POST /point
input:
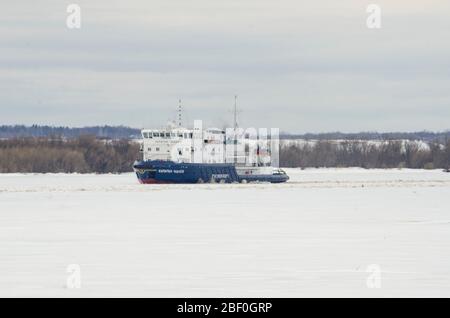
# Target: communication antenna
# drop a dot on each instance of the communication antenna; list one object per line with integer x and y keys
{"x": 235, "y": 112}
{"x": 179, "y": 113}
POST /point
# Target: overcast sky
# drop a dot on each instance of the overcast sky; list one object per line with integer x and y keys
{"x": 301, "y": 66}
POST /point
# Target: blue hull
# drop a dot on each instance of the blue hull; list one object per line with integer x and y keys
{"x": 155, "y": 171}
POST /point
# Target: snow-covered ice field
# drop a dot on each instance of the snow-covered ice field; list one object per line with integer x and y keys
{"x": 316, "y": 235}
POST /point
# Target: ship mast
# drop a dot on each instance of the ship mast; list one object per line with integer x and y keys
{"x": 235, "y": 113}
{"x": 235, "y": 129}
{"x": 179, "y": 113}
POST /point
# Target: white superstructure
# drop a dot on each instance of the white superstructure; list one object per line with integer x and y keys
{"x": 160, "y": 144}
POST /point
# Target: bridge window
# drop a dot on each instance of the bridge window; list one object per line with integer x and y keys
{"x": 155, "y": 134}
{"x": 157, "y": 148}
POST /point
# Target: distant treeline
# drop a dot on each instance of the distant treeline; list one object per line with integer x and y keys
{"x": 421, "y": 135}
{"x": 86, "y": 154}
{"x": 83, "y": 154}
{"x": 388, "y": 154}
{"x": 122, "y": 132}
{"x": 104, "y": 132}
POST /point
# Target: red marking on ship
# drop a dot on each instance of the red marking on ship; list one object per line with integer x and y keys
{"x": 153, "y": 181}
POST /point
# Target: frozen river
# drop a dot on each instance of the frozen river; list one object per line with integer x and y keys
{"x": 328, "y": 232}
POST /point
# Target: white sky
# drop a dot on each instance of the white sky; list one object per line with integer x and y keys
{"x": 297, "y": 65}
